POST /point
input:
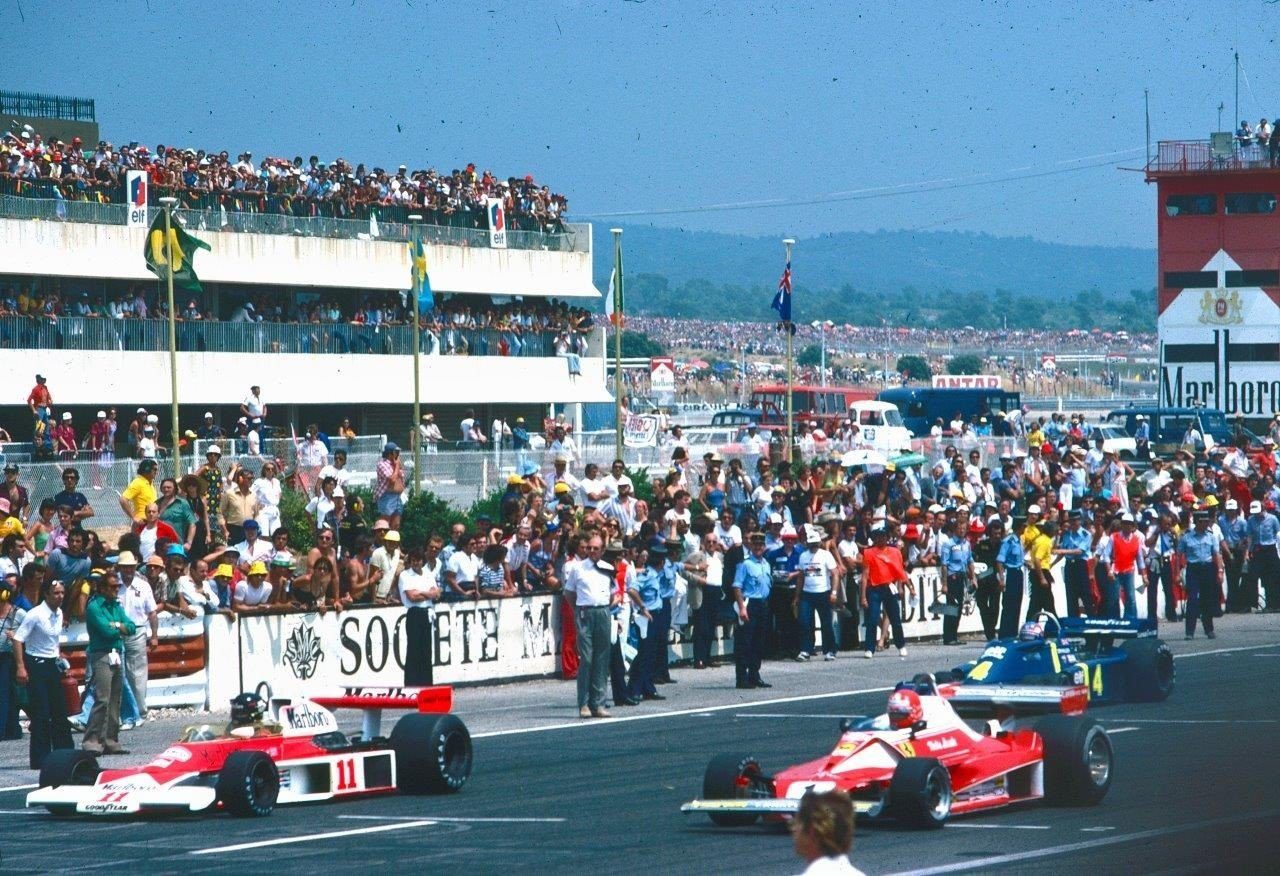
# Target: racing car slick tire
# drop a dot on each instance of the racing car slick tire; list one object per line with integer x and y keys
{"x": 722, "y": 781}
{"x": 920, "y": 793}
{"x": 248, "y": 784}
{"x": 69, "y": 766}
{"x": 433, "y": 753}
{"x": 1078, "y": 760}
{"x": 1148, "y": 670}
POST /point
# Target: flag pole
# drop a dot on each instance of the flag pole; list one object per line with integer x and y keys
{"x": 168, "y": 203}
{"x": 789, "y": 328}
{"x": 616, "y": 292}
{"x": 415, "y": 432}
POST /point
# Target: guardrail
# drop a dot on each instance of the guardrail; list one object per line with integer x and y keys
{"x": 37, "y": 200}
{"x": 152, "y": 335}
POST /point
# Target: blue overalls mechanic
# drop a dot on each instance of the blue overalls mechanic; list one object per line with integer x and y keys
{"x": 1075, "y": 546}
{"x": 1264, "y": 564}
{"x": 1010, "y": 569}
{"x": 667, "y": 590}
{"x": 1202, "y": 575}
{"x": 751, "y": 585}
{"x": 647, "y": 585}
{"x": 957, "y": 565}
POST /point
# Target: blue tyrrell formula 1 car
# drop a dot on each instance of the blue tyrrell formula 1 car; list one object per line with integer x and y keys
{"x": 1116, "y": 660}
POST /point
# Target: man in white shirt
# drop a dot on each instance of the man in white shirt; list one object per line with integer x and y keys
{"x": 560, "y": 475}
{"x": 463, "y": 567}
{"x": 337, "y": 470}
{"x": 419, "y": 589}
{"x": 590, "y": 590}
{"x": 816, "y": 570}
{"x": 35, "y": 656}
{"x": 617, "y": 474}
{"x": 255, "y": 408}
{"x": 726, "y": 532}
{"x": 388, "y": 561}
{"x": 562, "y": 444}
{"x": 429, "y": 434}
{"x": 254, "y": 548}
{"x": 139, "y": 603}
{"x": 592, "y": 489}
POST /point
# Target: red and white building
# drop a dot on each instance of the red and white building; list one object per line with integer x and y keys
{"x": 1219, "y": 276}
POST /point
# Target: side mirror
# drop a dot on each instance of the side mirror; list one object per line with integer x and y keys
{"x": 918, "y": 726}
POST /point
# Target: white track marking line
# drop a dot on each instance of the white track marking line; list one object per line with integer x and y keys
{"x": 677, "y": 713}
{"x": 464, "y": 820}
{"x": 1177, "y": 657}
{"x": 999, "y": 826}
{"x": 1195, "y": 721}
{"x": 21, "y": 811}
{"x": 19, "y": 787}
{"x": 1051, "y": 851}
{"x": 785, "y": 715}
{"x": 1095, "y": 829}
{"x": 1122, "y": 730}
{"x": 333, "y": 834}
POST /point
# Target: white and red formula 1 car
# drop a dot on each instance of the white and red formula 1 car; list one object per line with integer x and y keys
{"x": 935, "y": 766}
{"x": 297, "y": 754}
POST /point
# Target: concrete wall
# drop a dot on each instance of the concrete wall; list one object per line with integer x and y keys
{"x": 89, "y": 250}
{"x": 98, "y": 377}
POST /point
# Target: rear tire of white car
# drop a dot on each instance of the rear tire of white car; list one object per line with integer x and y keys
{"x": 248, "y": 785}
{"x": 920, "y": 793}
{"x": 1078, "y": 760}
{"x": 433, "y": 753}
{"x": 732, "y": 777}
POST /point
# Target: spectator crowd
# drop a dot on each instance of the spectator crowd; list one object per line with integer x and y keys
{"x": 769, "y": 551}
{"x": 33, "y": 166}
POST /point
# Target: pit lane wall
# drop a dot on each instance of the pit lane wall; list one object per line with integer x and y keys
{"x": 204, "y": 662}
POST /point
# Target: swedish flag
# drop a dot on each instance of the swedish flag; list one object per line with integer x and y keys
{"x": 421, "y": 281}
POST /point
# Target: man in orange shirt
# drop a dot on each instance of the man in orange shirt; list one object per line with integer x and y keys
{"x": 882, "y": 574}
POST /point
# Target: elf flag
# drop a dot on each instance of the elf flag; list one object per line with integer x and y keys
{"x": 421, "y": 282}
{"x": 177, "y": 253}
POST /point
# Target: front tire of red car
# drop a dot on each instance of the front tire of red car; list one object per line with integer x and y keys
{"x": 732, "y": 777}
{"x": 248, "y": 785}
{"x": 920, "y": 793}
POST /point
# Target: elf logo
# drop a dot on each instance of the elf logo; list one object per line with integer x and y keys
{"x": 138, "y": 191}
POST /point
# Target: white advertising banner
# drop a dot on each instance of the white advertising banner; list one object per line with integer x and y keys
{"x": 966, "y": 381}
{"x": 640, "y": 430}
{"x": 136, "y": 185}
{"x": 497, "y": 223}
{"x": 488, "y": 640}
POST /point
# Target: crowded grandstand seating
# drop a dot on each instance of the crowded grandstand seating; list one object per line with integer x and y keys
{"x": 32, "y": 315}
{"x": 211, "y": 180}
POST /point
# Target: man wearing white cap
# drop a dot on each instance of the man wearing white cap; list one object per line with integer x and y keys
{"x": 1234, "y": 531}
{"x": 64, "y": 438}
{"x": 1127, "y": 556}
{"x": 100, "y": 440}
{"x": 1260, "y": 546}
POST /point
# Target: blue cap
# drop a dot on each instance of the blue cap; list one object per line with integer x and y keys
{"x": 390, "y": 447}
{"x": 250, "y": 524}
{"x": 752, "y": 426}
{"x": 527, "y": 468}
{"x": 175, "y": 550}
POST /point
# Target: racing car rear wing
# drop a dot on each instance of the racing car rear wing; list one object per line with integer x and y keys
{"x": 998, "y": 700}
{"x": 371, "y": 701}
{"x": 1096, "y": 627}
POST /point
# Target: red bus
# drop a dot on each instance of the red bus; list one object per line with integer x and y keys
{"x": 826, "y": 405}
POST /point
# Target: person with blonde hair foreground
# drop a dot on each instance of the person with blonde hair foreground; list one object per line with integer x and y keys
{"x": 823, "y": 833}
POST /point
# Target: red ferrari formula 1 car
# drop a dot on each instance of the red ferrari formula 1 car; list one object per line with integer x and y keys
{"x": 295, "y": 755}
{"x": 922, "y": 762}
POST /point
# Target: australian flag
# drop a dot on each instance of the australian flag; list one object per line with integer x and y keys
{"x": 782, "y": 300}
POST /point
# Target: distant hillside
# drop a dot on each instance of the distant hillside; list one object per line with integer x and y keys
{"x": 939, "y": 278}
{"x": 930, "y": 261}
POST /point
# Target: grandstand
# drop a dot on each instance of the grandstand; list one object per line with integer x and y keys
{"x": 303, "y": 291}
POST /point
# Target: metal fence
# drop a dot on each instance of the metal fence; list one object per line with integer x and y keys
{"x": 41, "y": 199}
{"x": 152, "y": 335}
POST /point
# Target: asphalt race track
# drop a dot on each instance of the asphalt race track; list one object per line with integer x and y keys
{"x": 1194, "y": 791}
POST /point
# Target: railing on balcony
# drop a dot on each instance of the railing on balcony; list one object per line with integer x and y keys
{"x": 1204, "y": 156}
{"x": 36, "y": 199}
{"x": 152, "y": 335}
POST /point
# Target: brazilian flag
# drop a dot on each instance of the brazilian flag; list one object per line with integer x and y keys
{"x": 179, "y": 253}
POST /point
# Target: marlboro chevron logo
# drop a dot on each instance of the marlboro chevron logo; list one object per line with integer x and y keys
{"x": 1220, "y": 340}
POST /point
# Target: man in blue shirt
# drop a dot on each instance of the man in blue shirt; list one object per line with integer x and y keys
{"x": 662, "y": 619}
{"x": 1202, "y": 575}
{"x": 1264, "y": 563}
{"x": 648, "y": 586}
{"x": 785, "y": 631}
{"x": 751, "y": 585}
{"x": 1010, "y": 570}
{"x": 1075, "y": 546}
{"x": 957, "y": 566}
{"x": 1234, "y": 532}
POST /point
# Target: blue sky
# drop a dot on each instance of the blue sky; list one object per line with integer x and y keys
{"x": 643, "y": 107}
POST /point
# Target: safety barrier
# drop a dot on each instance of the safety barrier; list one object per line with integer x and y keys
{"x": 204, "y": 662}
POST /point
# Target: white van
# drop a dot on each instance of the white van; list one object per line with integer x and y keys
{"x": 880, "y": 426}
